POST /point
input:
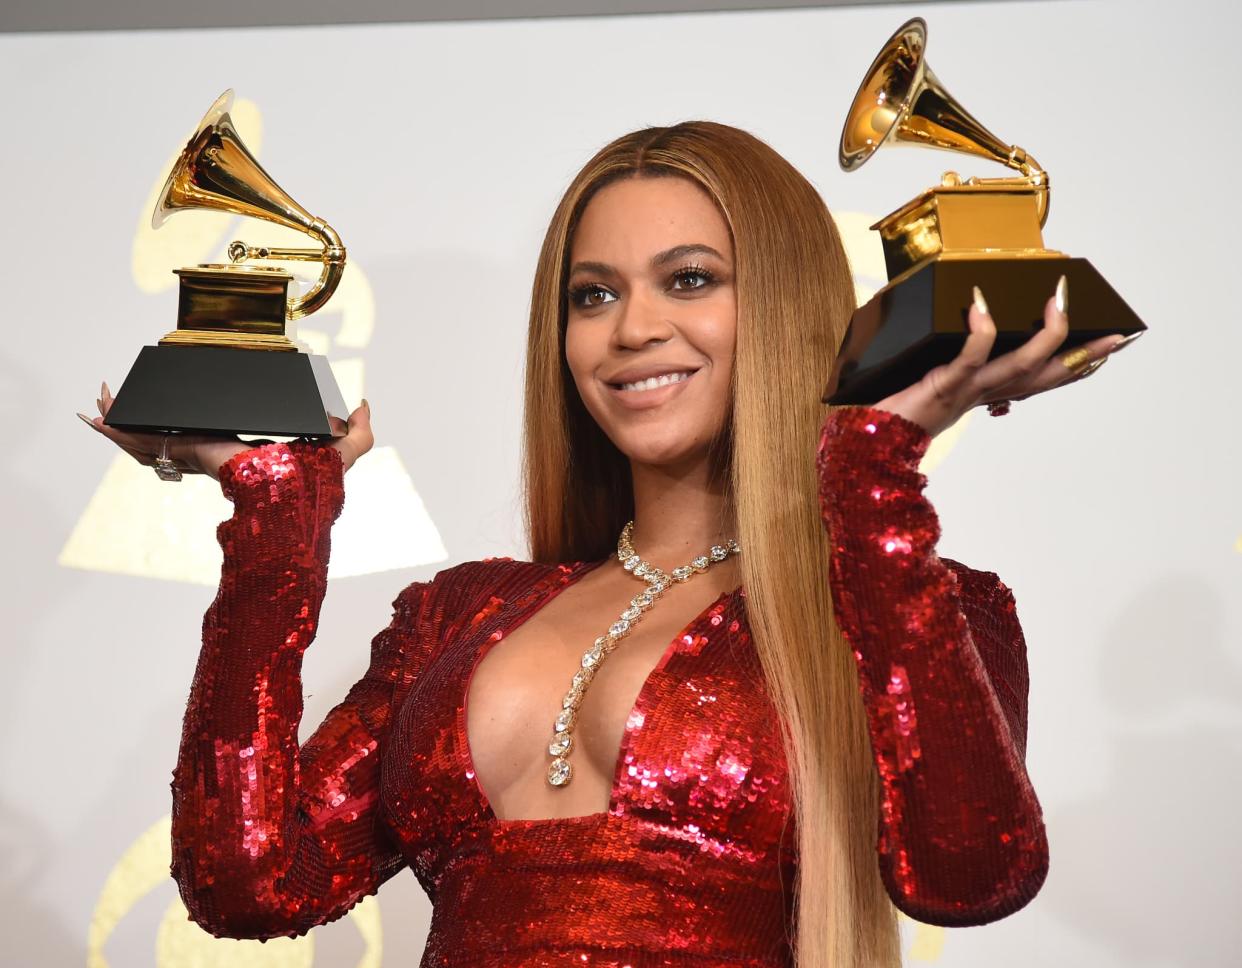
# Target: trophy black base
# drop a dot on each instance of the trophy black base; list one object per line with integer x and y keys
{"x": 920, "y": 321}
{"x": 215, "y": 390}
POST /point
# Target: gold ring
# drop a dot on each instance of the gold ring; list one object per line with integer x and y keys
{"x": 1077, "y": 360}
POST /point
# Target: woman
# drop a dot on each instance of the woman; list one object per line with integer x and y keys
{"x": 722, "y": 763}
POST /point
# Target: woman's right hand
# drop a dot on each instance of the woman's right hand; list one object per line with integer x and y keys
{"x": 204, "y": 453}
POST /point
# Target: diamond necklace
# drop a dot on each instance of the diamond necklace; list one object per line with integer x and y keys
{"x": 560, "y": 772}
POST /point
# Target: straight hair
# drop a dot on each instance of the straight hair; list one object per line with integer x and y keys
{"x": 795, "y": 296}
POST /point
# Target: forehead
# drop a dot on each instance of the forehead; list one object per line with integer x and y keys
{"x": 628, "y": 220}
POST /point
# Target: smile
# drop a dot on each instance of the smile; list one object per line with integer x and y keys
{"x": 652, "y": 383}
{"x": 651, "y": 392}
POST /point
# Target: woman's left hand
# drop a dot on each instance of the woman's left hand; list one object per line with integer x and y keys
{"x": 945, "y": 393}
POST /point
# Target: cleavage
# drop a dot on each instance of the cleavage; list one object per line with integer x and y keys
{"x": 516, "y": 689}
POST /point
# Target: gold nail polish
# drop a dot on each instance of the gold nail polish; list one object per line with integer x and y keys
{"x": 1062, "y": 294}
{"x": 87, "y": 420}
{"x": 981, "y": 304}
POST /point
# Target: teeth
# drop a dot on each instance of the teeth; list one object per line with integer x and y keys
{"x": 656, "y": 381}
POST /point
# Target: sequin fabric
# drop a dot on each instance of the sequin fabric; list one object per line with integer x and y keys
{"x": 942, "y": 667}
{"x": 694, "y": 860}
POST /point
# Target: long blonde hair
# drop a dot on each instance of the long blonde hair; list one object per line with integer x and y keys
{"x": 794, "y": 298}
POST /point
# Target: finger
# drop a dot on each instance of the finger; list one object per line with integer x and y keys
{"x": 1056, "y": 373}
{"x": 135, "y": 443}
{"x": 117, "y": 437}
{"x": 138, "y": 455}
{"x": 1087, "y": 371}
{"x": 97, "y": 424}
{"x": 1081, "y": 362}
{"x": 360, "y": 419}
{"x": 358, "y": 438}
{"x": 146, "y": 460}
{"x": 1019, "y": 367}
{"x": 950, "y": 379}
{"x": 360, "y": 427}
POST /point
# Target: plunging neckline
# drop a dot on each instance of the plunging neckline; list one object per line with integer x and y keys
{"x": 488, "y": 641}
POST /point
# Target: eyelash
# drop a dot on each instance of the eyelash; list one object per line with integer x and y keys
{"x": 576, "y": 294}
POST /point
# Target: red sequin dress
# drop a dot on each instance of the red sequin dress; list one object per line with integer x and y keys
{"x": 694, "y": 860}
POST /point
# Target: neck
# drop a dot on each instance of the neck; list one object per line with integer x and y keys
{"x": 679, "y": 512}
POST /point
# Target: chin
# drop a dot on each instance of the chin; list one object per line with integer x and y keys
{"x": 672, "y": 433}
{"x": 661, "y": 446}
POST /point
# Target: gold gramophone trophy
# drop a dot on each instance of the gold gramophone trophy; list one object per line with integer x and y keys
{"x": 230, "y": 366}
{"x": 959, "y": 234}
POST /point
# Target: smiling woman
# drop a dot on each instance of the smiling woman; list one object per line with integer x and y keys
{"x": 649, "y": 338}
{"x": 777, "y": 663}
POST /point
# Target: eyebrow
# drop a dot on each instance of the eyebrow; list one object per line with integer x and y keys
{"x": 659, "y": 260}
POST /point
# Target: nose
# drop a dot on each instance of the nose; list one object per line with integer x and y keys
{"x": 640, "y": 321}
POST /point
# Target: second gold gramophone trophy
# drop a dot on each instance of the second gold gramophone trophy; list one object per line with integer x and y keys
{"x": 229, "y": 366}
{"x": 959, "y": 234}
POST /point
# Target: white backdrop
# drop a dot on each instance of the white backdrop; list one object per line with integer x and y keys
{"x": 438, "y": 151}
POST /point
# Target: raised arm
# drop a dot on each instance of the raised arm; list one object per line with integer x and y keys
{"x": 270, "y": 839}
{"x": 942, "y": 668}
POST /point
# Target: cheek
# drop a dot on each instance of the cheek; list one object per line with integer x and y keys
{"x": 578, "y": 353}
{"x": 583, "y": 356}
{"x": 718, "y": 339}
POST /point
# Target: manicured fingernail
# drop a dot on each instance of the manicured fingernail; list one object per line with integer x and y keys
{"x": 981, "y": 304}
{"x": 1087, "y": 371}
{"x": 1125, "y": 341}
{"x": 1062, "y": 294}
{"x": 366, "y": 404}
{"x": 88, "y": 421}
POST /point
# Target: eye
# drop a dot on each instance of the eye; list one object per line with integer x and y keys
{"x": 584, "y": 297}
{"x": 692, "y": 273}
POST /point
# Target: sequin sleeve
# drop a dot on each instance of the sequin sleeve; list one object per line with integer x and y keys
{"x": 942, "y": 669}
{"x": 270, "y": 838}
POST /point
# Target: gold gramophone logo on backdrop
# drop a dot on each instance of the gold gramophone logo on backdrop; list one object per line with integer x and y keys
{"x": 134, "y": 524}
{"x": 958, "y": 234}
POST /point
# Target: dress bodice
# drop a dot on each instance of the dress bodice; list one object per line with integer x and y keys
{"x": 697, "y": 809}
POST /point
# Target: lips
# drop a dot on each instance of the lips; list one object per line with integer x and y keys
{"x": 655, "y": 382}
{"x": 650, "y": 392}
{"x": 637, "y": 374}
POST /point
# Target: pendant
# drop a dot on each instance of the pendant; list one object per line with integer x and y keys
{"x": 560, "y": 772}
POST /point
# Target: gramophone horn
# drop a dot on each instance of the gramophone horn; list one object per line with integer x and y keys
{"x": 216, "y": 171}
{"x": 900, "y": 100}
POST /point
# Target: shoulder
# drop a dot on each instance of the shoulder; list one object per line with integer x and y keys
{"x": 465, "y": 593}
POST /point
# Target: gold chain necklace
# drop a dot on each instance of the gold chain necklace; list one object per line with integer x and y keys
{"x": 560, "y": 772}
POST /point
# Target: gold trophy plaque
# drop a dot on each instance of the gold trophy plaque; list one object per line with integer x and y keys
{"x": 954, "y": 236}
{"x": 230, "y": 367}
